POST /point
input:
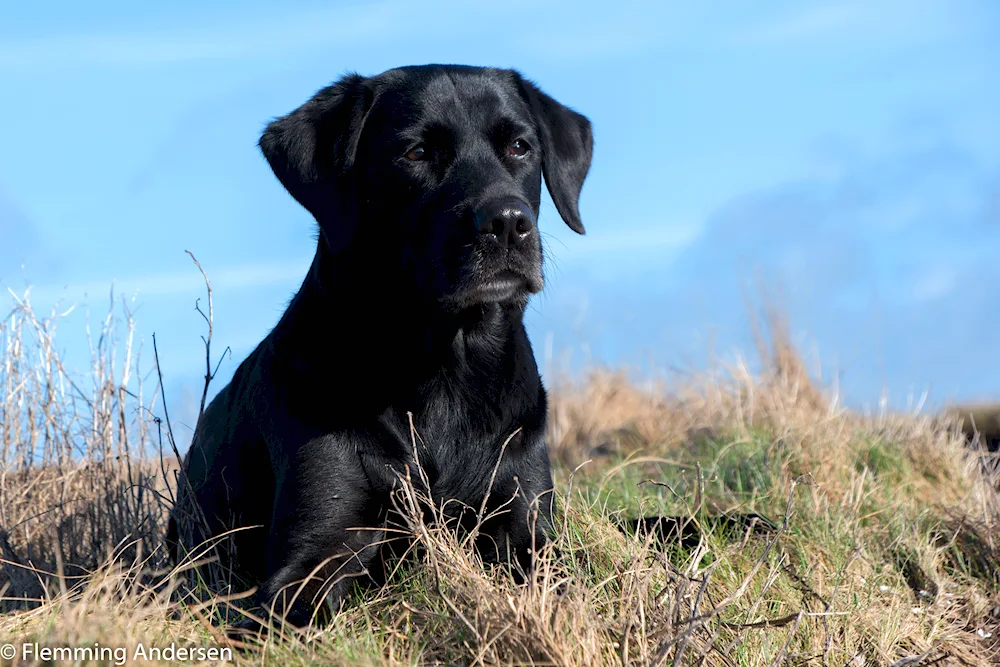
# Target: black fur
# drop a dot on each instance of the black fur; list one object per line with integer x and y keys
{"x": 413, "y": 304}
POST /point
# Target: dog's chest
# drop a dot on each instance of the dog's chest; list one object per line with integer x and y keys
{"x": 461, "y": 429}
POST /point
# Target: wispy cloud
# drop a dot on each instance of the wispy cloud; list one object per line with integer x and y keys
{"x": 801, "y": 24}
{"x": 267, "y": 35}
{"x": 602, "y": 31}
{"x": 936, "y": 282}
{"x": 233, "y": 278}
{"x": 857, "y": 23}
{"x": 625, "y": 245}
{"x": 238, "y": 37}
{"x": 17, "y": 231}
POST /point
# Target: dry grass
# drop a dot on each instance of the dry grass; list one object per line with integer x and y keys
{"x": 980, "y": 422}
{"x": 883, "y": 553}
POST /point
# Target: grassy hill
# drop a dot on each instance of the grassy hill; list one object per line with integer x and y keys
{"x": 876, "y": 542}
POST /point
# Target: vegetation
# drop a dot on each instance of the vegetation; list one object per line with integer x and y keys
{"x": 879, "y": 549}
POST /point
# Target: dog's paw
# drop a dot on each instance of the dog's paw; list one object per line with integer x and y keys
{"x": 247, "y": 630}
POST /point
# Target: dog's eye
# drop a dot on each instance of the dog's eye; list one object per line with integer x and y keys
{"x": 518, "y": 148}
{"x": 416, "y": 154}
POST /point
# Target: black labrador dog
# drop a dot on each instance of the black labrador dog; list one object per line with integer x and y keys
{"x": 426, "y": 184}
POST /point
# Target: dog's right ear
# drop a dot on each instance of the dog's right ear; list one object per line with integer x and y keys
{"x": 311, "y": 150}
{"x": 567, "y": 149}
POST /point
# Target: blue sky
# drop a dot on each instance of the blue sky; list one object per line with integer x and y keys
{"x": 845, "y": 153}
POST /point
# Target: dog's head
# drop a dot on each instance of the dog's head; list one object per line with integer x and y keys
{"x": 434, "y": 174}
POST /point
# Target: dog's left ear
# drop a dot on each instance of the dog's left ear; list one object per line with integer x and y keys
{"x": 567, "y": 147}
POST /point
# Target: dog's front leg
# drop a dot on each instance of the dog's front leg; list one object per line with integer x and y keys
{"x": 314, "y": 579}
{"x": 521, "y": 524}
{"x": 324, "y": 533}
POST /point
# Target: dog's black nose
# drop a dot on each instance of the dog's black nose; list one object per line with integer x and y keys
{"x": 509, "y": 222}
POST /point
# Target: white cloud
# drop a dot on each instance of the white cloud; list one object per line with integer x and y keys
{"x": 233, "y": 278}
{"x": 624, "y": 244}
{"x": 800, "y": 24}
{"x": 861, "y": 22}
{"x": 281, "y": 33}
{"x": 936, "y": 282}
{"x": 626, "y": 27}
{"x": 611, "y": 257}
{"x": 238, "y": 36}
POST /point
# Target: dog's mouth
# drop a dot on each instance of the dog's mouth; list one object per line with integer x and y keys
{"x": 500, "y": 287}
{"x": 503, "y": 287}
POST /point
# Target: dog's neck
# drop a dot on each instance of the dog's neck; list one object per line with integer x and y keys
{"x": 335, "y": 322}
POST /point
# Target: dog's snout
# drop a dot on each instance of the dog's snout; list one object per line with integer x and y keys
{"x": 509, "y": 222}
